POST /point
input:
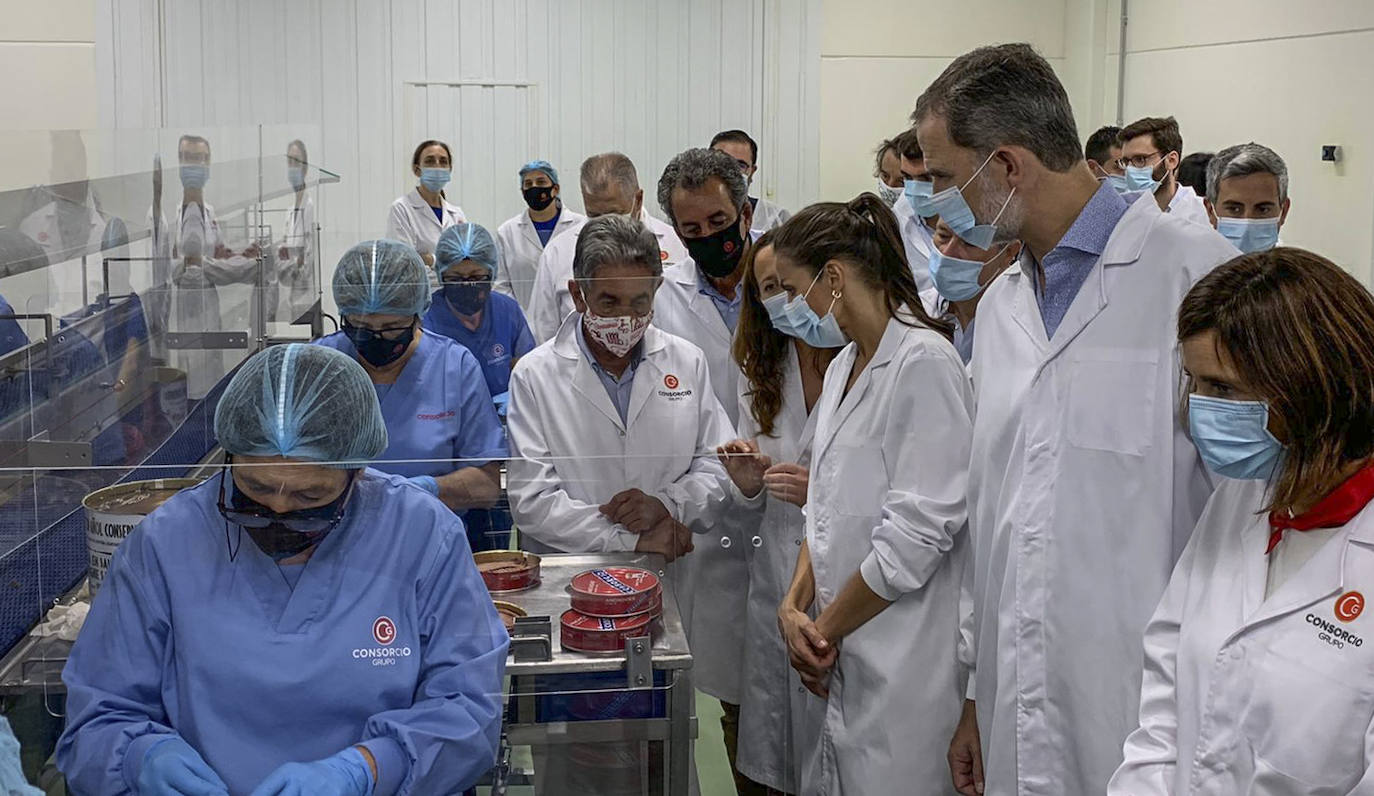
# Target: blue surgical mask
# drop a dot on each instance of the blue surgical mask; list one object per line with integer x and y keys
{"x": 194, "y": 175}
{"x": 812, "y": 329}
{"x": 1250, "y": 234}
{"x": 1118, "y": 182}
{"x": 1141, "y": 178}
{"x": 953, "y": 209}
{"x": 776, "y": 305}
{"x": 918, "y": 194}
{"x": 435, "y": 179}
{"x": 296, "y": 176}
{"x": 1233, "y": 437}
{"x": 957, "y": 279}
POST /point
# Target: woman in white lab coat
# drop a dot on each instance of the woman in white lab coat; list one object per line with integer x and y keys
{"x": 885, "y": 516}
{"x": 298, "y": 271}
{"x": 779, "y": 721}
{"x": 1257, "y": 677}
{"x": 524, "y": 237}
{"x": 420, "y": 216}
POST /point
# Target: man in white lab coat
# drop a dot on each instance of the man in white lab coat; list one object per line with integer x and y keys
{"x": 1151, "y": 149}
{"x": 610, "y": 184}
{"x": 705, "y": 196}
{"x": 523, "y": 238}
{"x": 918, "y": 228}
{"x": 1083, "y": 485}
{"x": 745, "y": 150}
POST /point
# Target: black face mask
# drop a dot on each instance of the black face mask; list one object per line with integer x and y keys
{"x": 375, "y": 349}
{"x": 467, "y": 296}
{"x": 538, "y": 197}
{"x": 718, "y": 255}
{"x": 283, "y": 536}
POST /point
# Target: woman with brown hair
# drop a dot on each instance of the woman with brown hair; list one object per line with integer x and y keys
{"x": 885, "y": 516}
{"x": 1257, "y": 677}
{"x": 779, "y": 721}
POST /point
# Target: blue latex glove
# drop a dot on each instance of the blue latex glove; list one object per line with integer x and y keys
{"x": 427, "y": 483}
{"x": 345, "y": 774}
{"x": 501, "y": 401}
{"x": 173, "y": 767}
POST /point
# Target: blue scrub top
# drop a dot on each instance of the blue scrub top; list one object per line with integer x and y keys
{"x": 389, "y": 638}
{"x": 438, "y": 410}
{"x": 502, "y": 337}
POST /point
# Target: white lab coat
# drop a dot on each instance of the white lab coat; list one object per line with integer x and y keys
{"x": 887, "y": 500}
{"x": 64, "y": 274}
{"x": 767, "y": 216}
{"x": 1244, "y": 694}
{"x": 520, "y": 249}
{"x": 919, "y": 243}
{"x": 1083, "y": 489}
{"x": 779, "y": 720}
{"x": 1188, "y": 206}
{"x": 550, "y": 301}
{"x": 570, "y": 452}
{"x": 718, "y": 567}
{"x": 412, "y": 221}
{"x": 299, "y": 270}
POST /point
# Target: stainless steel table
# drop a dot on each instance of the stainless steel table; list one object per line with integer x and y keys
{"x": 667, "y": 653}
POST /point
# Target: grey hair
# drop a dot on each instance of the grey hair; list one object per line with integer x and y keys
{"x": 1004, "y": 95}
{"x": 609, "y": 170}
{"x": 1243, "y": 160}
{"x": 614, "y": 239}
{"x": 691, "y": 169}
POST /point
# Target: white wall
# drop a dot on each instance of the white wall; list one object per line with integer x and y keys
{"x": 647, "y": 78}
{"x": 1292, "y": 76}
{"x": 877, "y": 56}
{"x": 47, "y": 58}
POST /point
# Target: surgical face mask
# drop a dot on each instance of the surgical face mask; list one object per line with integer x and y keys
{"x": 617, "y": 333}
{"x": 283, "y": 536}
{"x": 194, "y": 176}
{"x": 296, "y": 176}
{"x": 804, "y": 324}
{"x": 888, "y": 194}
{"x": 1118, "y": 183}
{"x": 538, "y": 197}
{"x": 957, "y": 279}
{"x": 776, "y": 306}
{"x": 434, "y": 180}
{"x": 1142, "y": 178}
{"x": 376, "y": 349}
{"x": 1233, "y": 437}
{"x": 1250, "y": 234}
{"x": 718, "y": 255}
{"x": 918, "y": 193}
{"x": 953, "y": 209}
{"x": 467, "y": 296}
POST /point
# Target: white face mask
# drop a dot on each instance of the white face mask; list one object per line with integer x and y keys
{"x": 888, "y": 194}
{"x": 617, "y": 333}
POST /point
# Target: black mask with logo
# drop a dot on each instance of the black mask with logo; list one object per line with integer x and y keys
{"x": 468, "y": 296}
{"x": 718, "y": 255}
{"x": 538, "y": 197}
{"x": 376, "y": 349}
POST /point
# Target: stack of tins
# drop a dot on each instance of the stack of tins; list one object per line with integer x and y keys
{"x": 504, "y": 572}
{"x": 610, "y": 605}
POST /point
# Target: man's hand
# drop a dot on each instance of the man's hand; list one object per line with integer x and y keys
{"x": 966, "y": 754}
{"x": 638, "y": 512}
{"x": 745, "y": 465}
{"x": 788, "y": 482}
{"x": 669, "y": 538}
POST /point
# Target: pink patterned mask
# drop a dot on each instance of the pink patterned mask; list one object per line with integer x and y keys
{"x": 617, "y": 333}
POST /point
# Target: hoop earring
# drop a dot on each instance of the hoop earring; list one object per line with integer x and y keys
{"x": 835, "y": 294}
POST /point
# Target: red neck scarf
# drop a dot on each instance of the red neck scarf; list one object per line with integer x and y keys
{"x": 1332, "y": 511}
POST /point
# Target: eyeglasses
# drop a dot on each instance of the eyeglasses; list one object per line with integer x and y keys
{"x": 1139, "y": 161}
{"x": 467, "y": 280}
{"x": 317, "y": 519}
{"x": 389, "y": 333}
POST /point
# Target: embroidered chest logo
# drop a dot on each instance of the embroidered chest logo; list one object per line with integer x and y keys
{"x": 672, "y": 393}
{"x": 1346, "y": 609}
{"x": 384, "y": 630}
{"x": 670, "y": 381}
{"x": 386, "y": 652}
{"x": 1349, "y": 606}
{"x": 497, "y": 350}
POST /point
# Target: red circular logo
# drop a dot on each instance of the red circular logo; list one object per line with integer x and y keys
{"x": 729, "y": 247}
{"x": 1349, "y": 606}
{"x": 384, "y": 630}
{"x": 670, "y": 381}
{"x": 663, "y": 255}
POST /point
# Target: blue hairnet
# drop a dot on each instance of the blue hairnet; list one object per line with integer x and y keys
{"x": 381, "y": 277}
{"x": 540, "y": 165}
{"x": 465, "y": 241}
{"x": 301, "y": 401}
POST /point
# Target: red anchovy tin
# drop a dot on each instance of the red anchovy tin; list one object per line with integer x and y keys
{"x": 507, "y": 570}
{"x": 616, "y": 592}
{"x": 582, "y": 633}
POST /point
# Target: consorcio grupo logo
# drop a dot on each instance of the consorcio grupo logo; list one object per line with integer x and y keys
{"x": 1349, "y": 606}
{"x": 384, "y": 630}
{"x": 670, "y": 381}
